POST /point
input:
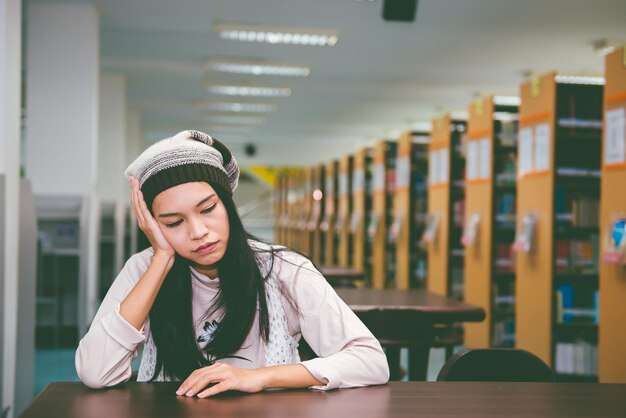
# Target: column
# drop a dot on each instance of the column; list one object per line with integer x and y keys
{"x": 10, "y": 82}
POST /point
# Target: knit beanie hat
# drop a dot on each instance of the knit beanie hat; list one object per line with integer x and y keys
{"x": 186, "y": 157}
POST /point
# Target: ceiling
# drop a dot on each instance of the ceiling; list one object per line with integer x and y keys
{"x": 380, "y": 77}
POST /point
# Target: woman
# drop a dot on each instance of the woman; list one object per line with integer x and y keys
{"x": 211, "y": 307}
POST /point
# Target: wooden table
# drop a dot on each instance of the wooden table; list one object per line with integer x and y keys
{"x": 400, "y": 329}
{"x": 396, "y": 399}
{"x": 440, "y": 310}
{"x": 342, "y": 277}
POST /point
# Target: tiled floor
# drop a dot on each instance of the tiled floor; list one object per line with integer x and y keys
{"x": 54, "y": 366}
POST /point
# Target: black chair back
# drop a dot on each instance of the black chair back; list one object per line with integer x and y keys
{"x": 495, "y": 365}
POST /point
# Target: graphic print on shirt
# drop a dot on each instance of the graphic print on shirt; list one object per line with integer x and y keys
{"x": 209, "y": 331}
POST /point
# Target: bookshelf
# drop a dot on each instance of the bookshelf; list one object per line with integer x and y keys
{"x": 490, "y": 219}
{"x": 612, "y": 272}
{"x": 361, "y": 212}
{"x": 317, "y": 208}
{"x": 446, "y": 199}
{"x": 280, "y": 208}
{"x": 410, "y": 209}
{"x": 327, "y": 226}
{"x": 558, "y": 183}
{"x": 342, "y": 227}
{"x": 383, "y": 170}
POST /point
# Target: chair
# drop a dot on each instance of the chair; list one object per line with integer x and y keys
{"x": 495, "y": 365}
{"x": 396, "y": 329}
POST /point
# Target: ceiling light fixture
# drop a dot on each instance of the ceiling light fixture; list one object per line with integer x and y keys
{"x": 288, "y": 35}
{"x": 235, "y": 120}
{"x": 237, "y": 107}
{"x": 507, "y": 100}
{"x": 243, "y": 90}
{"x": 257, "y": 68}
{"x": 575, "y": 79}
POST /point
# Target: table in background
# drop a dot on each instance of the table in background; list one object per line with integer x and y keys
{"x": 341, "y": 277}
{"x": 394, "y": 304}
{"x": 396, "y": 399}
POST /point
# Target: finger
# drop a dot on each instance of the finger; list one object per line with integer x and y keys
{"x": 214, "y": 390}
{"x": 134, "y": 202}
{"x": 205, "y": 380}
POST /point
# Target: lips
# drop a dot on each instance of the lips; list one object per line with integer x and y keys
{"x": 206, "y": 248}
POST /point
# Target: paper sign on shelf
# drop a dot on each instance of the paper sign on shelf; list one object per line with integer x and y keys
{"x": 378, "y": 179}
{"x": 484, "y": 168}
{"x": 372, "y": 228}
{"x": 470, "y": 233}
{"x": 403, "y": 172}
{"x": 358, "y": 180}
{"x": 525, "y": 151}
{"x": 525, "y": 234}
{"x": 343, "y": 185}
{"x": 471, "y": 168}
{"x": 542, "y": 147}
{"x": 355, "y": 219}
{"x": 444, "y": 168}
{"x": 432, "y": 226}
{"x": 614, "y": 251}
{"x": 615, "y": 143}
{"x": 330, "y": 187}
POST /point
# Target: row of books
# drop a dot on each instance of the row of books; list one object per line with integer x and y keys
{"x": 576, "y": 211}
{"x": 574, "y": 307}
{"x": 504, "y": 333}
{"x": 579, "y": 358}
{"x": 578, "y": 256}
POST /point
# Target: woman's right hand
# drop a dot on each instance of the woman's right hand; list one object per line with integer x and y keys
{"x": 147, "y": 223}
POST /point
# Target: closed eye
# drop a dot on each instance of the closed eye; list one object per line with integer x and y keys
{"x": 209, "y": 209}
{"x": 173, "y": 224}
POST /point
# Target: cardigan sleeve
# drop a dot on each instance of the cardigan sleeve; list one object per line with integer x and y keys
{"x": 105, "y": 353}
{"x": 349, "y": 355}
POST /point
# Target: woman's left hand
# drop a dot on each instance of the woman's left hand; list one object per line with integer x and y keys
{"x": 225, "y": 377}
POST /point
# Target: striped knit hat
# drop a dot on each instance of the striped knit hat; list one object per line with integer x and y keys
{"x": 188, "y": 156}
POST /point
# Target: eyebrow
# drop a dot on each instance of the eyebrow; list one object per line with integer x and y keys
{"x": 200, "y": 203}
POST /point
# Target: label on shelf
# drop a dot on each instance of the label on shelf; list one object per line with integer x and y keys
{"x": 484, "y": 168}
{"x": 358, "y": 180}
{"x": 525, "y": 151}
{"x": 444, "y": 161}
{"x": 343, "y": 184}
{"x": 378, "y": 178}
{"x": 615, "y": 142}
{"x": 471, "y": 168}
{"x": 542, "y": 147}
{"x": 403, "y": 172}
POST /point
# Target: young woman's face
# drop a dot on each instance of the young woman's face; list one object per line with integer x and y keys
{"x": 195, "y": 223}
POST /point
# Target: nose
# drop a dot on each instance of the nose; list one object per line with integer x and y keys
{"x": 197, "y": 229}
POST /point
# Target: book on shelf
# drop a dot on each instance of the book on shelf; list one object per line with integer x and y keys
{"x": 568, "y": 313}
{"x": 576, "y": 358}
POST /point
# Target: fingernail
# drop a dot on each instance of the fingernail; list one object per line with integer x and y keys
{"x": 179, "y": 392}
{"x": 190, "y": 393}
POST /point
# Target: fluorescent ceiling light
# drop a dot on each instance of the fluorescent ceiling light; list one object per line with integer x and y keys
{"x": 243, "y": 90}
{"x": 288, "y": 35}
{"x": 257, "y": 68}
{"x": 220, "y": 128}
{"x": 507, "y": 100}
{"x": 574, "y": 79}
{"x": 238, "y": 107}
{"x": 422, "y": 126}
{"x": 459, "y": 115}
{"x": 235, "y": 119}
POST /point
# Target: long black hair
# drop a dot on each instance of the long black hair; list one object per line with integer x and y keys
{"x": 242, "y": 287}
